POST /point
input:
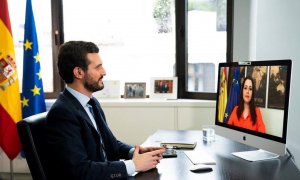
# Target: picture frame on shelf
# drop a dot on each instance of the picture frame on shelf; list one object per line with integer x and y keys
{"x": 163, "y": 88}
{"x": 134, "y": 90}
{"x": 277, "y": 87}
{"x": 111, "y": 90}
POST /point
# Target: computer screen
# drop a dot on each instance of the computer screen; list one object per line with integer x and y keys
{"x": 252, "y": 105}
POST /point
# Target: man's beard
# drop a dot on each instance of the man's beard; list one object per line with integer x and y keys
{"x": 92, "y": 86}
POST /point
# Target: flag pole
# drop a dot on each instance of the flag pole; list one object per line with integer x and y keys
{"x": 11, "y": 170}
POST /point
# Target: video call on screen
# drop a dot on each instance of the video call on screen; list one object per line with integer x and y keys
{"x": 270, "y": 93}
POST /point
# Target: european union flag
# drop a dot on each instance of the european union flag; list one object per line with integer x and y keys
{"x": 33, "y": 98}
{"x": 234, "y": 94}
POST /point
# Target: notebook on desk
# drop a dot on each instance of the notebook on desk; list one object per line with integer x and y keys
{"x": 200, "y": 157}
{"x": 179, "y": 145}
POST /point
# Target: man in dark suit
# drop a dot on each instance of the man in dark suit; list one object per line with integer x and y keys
{"x": 78, "y": 141}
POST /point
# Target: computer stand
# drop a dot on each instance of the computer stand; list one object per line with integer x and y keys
{"x": 256, "y": 155}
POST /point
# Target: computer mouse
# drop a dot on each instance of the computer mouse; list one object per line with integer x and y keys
{"x": 200, "y": 168}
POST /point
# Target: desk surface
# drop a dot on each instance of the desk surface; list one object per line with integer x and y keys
{"x": 227, "y": 166}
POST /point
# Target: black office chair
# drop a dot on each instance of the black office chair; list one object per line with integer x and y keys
{"x": 30, "y": 130}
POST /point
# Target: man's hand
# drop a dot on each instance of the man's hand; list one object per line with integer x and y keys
{"x": 149, "y": 149}
{"x": 148, "y": 159}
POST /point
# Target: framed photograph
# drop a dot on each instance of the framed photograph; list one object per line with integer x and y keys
{"x": 277, "y": 83}
{"x": 135, "y": 90}
{"x": 259, "y": 75}
{"x": 163, "y": 88}
{"x": 112, "y": 89}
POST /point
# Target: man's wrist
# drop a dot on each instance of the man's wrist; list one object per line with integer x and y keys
{"x": 130, "y": 167}
{"x": 130, "y": 153}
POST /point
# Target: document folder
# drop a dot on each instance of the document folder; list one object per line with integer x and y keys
{"x": 179, "y": 145}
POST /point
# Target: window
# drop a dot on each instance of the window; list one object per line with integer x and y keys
{"x": 138, "y": 39}
{"x": 204, "y": 40}
{"x": 43, "y": 22}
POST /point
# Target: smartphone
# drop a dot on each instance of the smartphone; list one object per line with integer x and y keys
{"x": 169, "y": 153}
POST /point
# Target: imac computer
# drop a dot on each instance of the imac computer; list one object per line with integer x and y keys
{"x": 258, "y": 89}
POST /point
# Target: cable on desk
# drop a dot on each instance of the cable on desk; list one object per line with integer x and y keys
{"x": 290, "y": 155}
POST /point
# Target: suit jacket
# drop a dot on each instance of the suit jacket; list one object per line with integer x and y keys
{"x": 72, "y": 148}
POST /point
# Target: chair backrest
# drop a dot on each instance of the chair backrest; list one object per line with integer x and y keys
{"x": 30, "y": 130}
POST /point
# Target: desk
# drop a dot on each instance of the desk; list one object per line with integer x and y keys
{"x": 227, "y": 166}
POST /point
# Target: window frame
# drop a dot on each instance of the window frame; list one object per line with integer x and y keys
{"x": 57, "y": 39}
{"x": 182, "y": 49}
{"x": 181, "y": 61}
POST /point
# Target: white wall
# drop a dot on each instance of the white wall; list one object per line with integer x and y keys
{"x": 144, "y": 117}
{"x": 241, "y": 31}
{"x": 271, "y": 116}
{"x": 277, "y": 36}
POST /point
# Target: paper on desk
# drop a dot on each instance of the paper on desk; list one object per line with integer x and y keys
{"x": 200, "y": 157}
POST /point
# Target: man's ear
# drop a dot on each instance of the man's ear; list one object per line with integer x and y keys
{"x": 78, "y": 73}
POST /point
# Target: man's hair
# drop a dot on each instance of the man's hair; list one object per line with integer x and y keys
{"x": 74, "y": 54}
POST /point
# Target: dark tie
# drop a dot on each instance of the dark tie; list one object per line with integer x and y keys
{"x": 96, "y": 115}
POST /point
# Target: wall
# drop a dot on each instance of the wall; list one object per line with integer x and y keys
{"x": 132, "y": 121}
{"x": 271, "y": 115}
{"x": 276, "y": 36}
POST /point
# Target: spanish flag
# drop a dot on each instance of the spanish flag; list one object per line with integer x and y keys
{"x": 222, "y": 95}
{"x": 10, "y": 106}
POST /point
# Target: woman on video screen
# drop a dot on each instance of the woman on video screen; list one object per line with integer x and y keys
{"x": 246, "y": 114}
